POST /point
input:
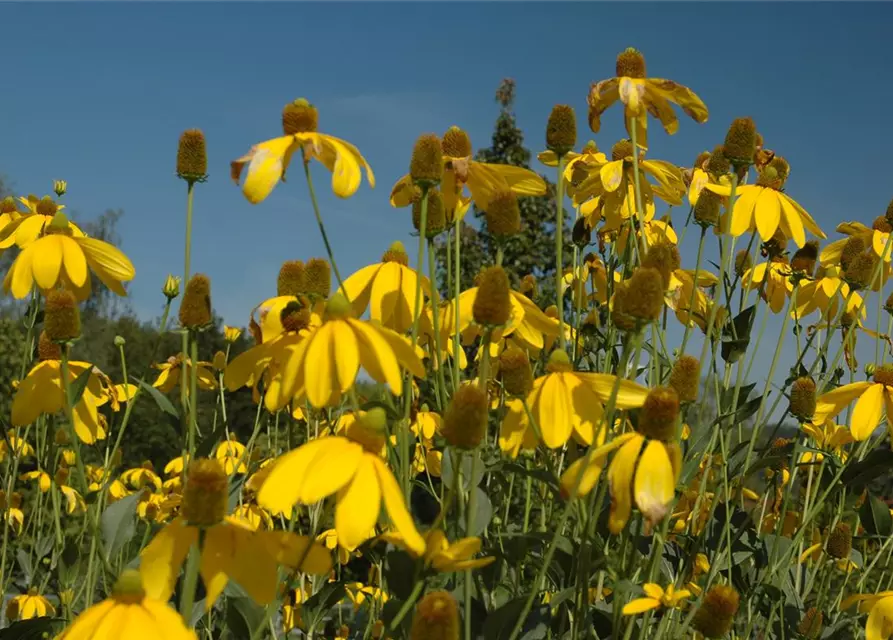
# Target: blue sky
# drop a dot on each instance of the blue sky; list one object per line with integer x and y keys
{"x": 98, "y": 94}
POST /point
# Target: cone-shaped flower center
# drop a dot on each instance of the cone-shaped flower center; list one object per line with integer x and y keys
{"x": 205, "y": 495}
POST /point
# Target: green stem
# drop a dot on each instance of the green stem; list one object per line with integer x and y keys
{"x": 469, "y": 530}
{"x": 319, "y": 223}
{"x": 458, "y": 290}
{"x": 694, "y": 291}
{"x": 559, "y": 250}
{"x": 193, "y": 395}
{"x": 638, "y": 188}
{"x": 190, "y": 580}
{"x": 435, "y": 321}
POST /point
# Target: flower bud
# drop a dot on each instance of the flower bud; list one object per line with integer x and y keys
{"x": 810, "y": 626}
{"x": 718, "y": 164}
{"x": 192, "y": 156}
{"x": 630, "y": 64}
{"x": 503, "y": 214}
{"x": 318, "y": 278}
{"x": 465, "y": 420}
{"x": 685, "y": 378}
{"x": 581, "y": 234}
{"x": 840, "y": 541}
{"x": 62, "y": 319}
{"x": 657, "y": 417}
{"x": 60, "y": 187}
{"x": 205, "y": 495}
{"x": 561, "y": 129}
{"x": 515, "y": 371}
{"x": 741, "y": 143}
{"x": 195, "y": 308}
{"x": 493, "y": 302}
{"x": 717, "y": 612}
{"x": 664, "y": 257}
{"x": 426, "y": 164}
{"x": 435, "y": 214}
{"x": 742, "y": 262}
{"x": 805, "y": 258}
{"x": 231, "y": 334}
{"x": 706, "y": 211}
{"x": 436, "y": 618}
{"x": 456, "y": 143}
{"x": 803, "y": 400}
{"x": 299, "y": 117}
{"x": 47, "y": 349}
{"x": 120, "y": 341}
{"x": 860, "y": 270}
{"x": 171, "y": 287}
{"x": 291, "y": 279}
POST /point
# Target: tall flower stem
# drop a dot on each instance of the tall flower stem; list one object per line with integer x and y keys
{"x": 694, "y": 292}
{"x": 190, "y": 579}
{"x": 559, "y": 249}
{"x": 435, "y": 321}
{"x": 319, "y": 222}
{"x": 193, "y": 394}
{"x": 457, "y": 291}
{"x": 638, "y": 188}
{"x": 405, "y": 453}
{"x": 184, "y": 347}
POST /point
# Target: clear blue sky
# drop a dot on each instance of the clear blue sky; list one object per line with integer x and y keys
{"x": 98, "y": 94}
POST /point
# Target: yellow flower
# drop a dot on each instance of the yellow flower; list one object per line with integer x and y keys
{"x": 42, "y": 477}
{"x": 326, "y": 363}
{"x": 527, "y": 324}
{"x": 575, "y": 163}
{"x": 29, "y": 605}
{"x": 641, "y": 96}
{"x": 772, "y": 279}
{"x": 329, "y": 537}
{"x": 484, "y": 180}
{"x": 61, "y": 257}
{"x": 874, "y": 238}
{"x": 828, "y": 436}
{"x": 141, "y": 477}
{"x": 20, "y": 446}
{"x": 358, "y": 593}
{"x": 388, "y": 288}
{"x": 515, "y": 432}
{"x": 825, "y": 293}
{"x": 879, "y": 608}
{"x": 230, "y": 549}
{"x": 656, "y": 597}
{"x": 350, "y": 467}
{"x": 20, "y": 229}
{"x": 41, "y": 392}
{"x": 565, "y": 401}
{"x": 169, "y": 378}
{"x": 679, "y": 297}
{"x": 651, "y": 480}
{"x": 268, "y": 161}
{"x": 231, "y": 334}
{"x": 262, "y": 362}
{"x": 254, "y": 516}
{"x": 232, "y": 453}
{"x": 873, "y": 399}
{"x": 442, "y": 555}
{"x": 609, "y": 191}
{"x": 129, "y": 613}
{"x": 291, "y": 608}
{"x": 765, "y": 209}
{"x": 426, "y": 423}
{"x": 14, "y": 515}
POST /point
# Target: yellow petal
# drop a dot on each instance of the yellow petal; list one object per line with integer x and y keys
{"x": 266, "y": 167}
{"x": 396, "y": 507}
{"x": 282, "y": 488}
{"x": 640, "y": 605}
{"x": 47, "y": 261}
{"x": 620, "y": 475}
{"x": 867, "y": 412}
{"x": 330, "y": 470}
{"x": 356, "y": 511}
{"x": 612, "y": 175}
{"x": 160, "y": 562}
{"x": 655, "y": 482}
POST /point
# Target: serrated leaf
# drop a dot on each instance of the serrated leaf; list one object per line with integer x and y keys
{"x": 118, "y": 524}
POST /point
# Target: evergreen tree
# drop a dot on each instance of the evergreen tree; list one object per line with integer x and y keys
{"x": 533, "y": 250}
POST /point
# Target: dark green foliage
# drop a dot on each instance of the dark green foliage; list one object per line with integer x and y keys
{"x": 532, "y": 251}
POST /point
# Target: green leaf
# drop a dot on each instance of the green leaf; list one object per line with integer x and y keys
{"x": 243, "y": 616}
{"x": 875, "y": 516}
{"x": 118, "y": 524}
{"x": 446, "y": 469}
{"x": 33, "y": 629}
{"x": 80, "y": 385}
{"x": 319, "y": 603}
{"x": 399, "y": 572}
{"x": 483, "y": 513}
{"x": 499, "y": 623}
{"x": 163, "y": 403}
{"x": 875, "y": 465}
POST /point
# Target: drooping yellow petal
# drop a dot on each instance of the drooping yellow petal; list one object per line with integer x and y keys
{"x": 655, "y": 482}
{"x": 47, "y": 261}
{"x": 611, "y": 175}
{"x": 767, "y": 213}
{"x": 620, "y": 475}
{"x": 396, "y": 507}
{"x": 160, "y": 562}
{"x": 282, "y": 488}
{"x": 266, "y": 162}
{"x": 20, "y": 278}
{"x": 640, "y": 605}
{"x": 356, "y": 511}
{"x": 879, "y": 625}
{"x": 330, "y": 470}
{"x": 867, "y": 412}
